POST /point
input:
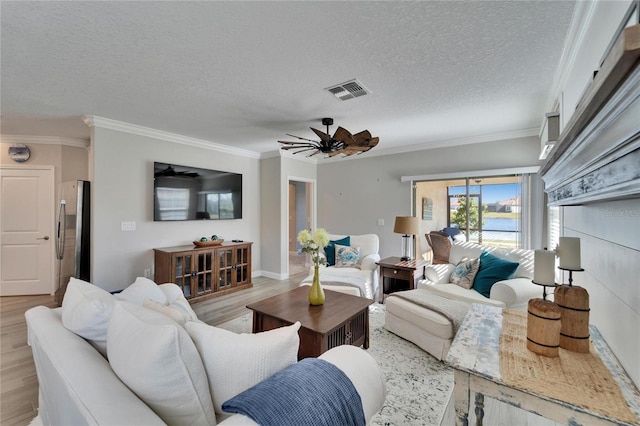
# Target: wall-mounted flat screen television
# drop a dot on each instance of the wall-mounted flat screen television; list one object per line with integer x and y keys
{"x": 191, "y": 193}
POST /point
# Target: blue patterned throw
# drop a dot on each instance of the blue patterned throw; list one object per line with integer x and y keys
{"x": 309, "y": 392}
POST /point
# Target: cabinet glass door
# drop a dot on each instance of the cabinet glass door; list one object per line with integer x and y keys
{"x": 225, "y": 258}
{"x": 242, "y": 265}
{"x": 183, "y": 274}
{"x": 204, "y": 271}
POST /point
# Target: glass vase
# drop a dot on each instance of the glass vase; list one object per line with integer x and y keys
{"x": 316, "y": 294}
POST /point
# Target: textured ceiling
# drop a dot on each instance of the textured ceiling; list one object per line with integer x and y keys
{"x": 245, "y": 73}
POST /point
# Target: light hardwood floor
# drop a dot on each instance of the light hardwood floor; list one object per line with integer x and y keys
{"x": 18, "y": 381}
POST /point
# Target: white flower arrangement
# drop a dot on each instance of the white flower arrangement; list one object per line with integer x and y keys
{"x": 313, "y": 244}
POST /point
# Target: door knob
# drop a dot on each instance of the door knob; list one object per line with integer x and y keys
{"x": 46, "y": 237}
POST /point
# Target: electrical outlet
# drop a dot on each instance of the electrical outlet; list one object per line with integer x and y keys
{"x": 380, "y": 222}
{"x": 147, "y": 273}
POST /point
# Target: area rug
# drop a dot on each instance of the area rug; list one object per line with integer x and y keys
{"x": 418, "y": 385}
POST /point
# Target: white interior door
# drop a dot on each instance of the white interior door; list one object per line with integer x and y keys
{"x": 26, "y": 224}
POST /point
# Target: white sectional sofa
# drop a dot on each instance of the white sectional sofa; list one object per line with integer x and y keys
{"x": 155, "y": 374}
{"x": 433, "y": 331}
{"x": 361, "y": 280}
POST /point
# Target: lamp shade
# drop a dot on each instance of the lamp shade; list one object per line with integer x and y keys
{"x": 407, "y": 225}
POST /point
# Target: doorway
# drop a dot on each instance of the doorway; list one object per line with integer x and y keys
{"x": 26, "y": 222}
{"x": 300, "y": 217}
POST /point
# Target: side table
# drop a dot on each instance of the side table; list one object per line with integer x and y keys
{"x": 397, "y": 275}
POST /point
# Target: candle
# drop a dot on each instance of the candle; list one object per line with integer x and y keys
{"x": 544, "y": 267}
{"x": 569, "y": 252}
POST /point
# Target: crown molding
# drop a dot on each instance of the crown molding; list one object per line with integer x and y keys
{"x": 580, "y": 21}
{"x": 44, "y": 140}
{"x": 106, "y": 123}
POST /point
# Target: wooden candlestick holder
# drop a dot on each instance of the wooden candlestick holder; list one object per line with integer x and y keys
{"x": 574, "y": 305}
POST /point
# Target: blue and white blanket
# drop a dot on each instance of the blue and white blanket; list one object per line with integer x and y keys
{"x": 309, "y": 392}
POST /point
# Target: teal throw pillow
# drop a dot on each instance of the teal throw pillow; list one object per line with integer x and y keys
{"x": 492, "y": 269}
{"x": 330, "y": 250}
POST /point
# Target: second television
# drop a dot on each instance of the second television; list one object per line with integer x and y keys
{"x": 192, "y": 193}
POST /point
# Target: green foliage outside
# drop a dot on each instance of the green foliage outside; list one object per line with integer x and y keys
{"x": 459, "y": 217}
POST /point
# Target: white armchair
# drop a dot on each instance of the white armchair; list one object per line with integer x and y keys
{"x": 361, "y": 280}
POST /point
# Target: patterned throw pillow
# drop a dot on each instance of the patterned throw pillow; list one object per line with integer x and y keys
{"x": 347, "y": 257}
{"x": 465, "y": 272}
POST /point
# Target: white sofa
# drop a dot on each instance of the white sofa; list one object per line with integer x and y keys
{"x": 78, "y": 385}
{"x": 433, "y": 331}
{"x": 360, "y": 281}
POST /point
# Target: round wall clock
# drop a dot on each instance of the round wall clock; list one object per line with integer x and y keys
{"x": 19, "y": 153}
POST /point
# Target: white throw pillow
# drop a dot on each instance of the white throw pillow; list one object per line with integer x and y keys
{"x": 347, "y": 257}
{"x": 141, "y": 289}
{"x": 236, "y": 362}
{"x": 171, "y": 291}
{"x": 86, "y": 309}
{"x": 159, "y": 362}
{"x": 178, "y": 310}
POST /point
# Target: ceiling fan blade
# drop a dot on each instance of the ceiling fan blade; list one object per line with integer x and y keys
{"x": 298, "y": 143}
{"x": 362, "y": 138}
{"x": 343, "y": 135}
{"x": 322, "y": 135}
{"x": 287, "y": 148}
{"x": 373, "y": 142}
{"x": 301, "y": 138}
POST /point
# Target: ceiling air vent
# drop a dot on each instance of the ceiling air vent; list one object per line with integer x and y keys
{"x": 348, "y": 90}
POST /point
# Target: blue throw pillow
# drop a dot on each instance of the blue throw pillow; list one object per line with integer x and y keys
{"x": 492, "y": 269}
{"x": 330, "y": 250}
{"x": 450, "y": 232}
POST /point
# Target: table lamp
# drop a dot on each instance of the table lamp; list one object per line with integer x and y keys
{"x": 407, "y": 226}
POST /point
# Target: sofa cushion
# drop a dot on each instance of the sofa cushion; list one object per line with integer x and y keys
{"x": 347, "y": 257}
{"x": 330, "y": 250}
{"x": 456, "y": 292}
{"x": 236, "y": 362}
{"x": 492, "y": 269}
{"x": 141, "y": 289}
{"x": 159, "y": 362}
{"x": 86, "y": 309}
{"x": 465, "y": 272}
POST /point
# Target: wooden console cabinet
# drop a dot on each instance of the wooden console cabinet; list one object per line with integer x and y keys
{"x": 204, "y": 272}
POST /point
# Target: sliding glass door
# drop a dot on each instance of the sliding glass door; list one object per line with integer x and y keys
{"x": 487, "y": 210}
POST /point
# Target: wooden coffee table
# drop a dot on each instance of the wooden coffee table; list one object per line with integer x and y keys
{"x": 343, "y": 319}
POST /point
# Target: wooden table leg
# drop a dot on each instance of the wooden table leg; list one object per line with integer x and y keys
{"x": 366, "y": 329}
{"x": 479, "y": 408}
{"x": 461, "y": 397}
{"x": 257, "y": 320}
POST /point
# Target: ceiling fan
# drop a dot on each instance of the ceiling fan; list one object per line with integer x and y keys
{"x": 342, "y": 142}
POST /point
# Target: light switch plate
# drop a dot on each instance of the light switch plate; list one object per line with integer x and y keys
{"x": 127, "y": 226}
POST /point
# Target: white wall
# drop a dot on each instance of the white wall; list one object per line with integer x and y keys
{"x": 274, "y": 183}
{"x": 354, "y": 194}
{"x": 609, "y": 232}
{"x": 122, "y": 191}
{"x": 270, "y": 196}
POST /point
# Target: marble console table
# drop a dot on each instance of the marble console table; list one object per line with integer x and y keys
{"x": 475, "y": 357}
